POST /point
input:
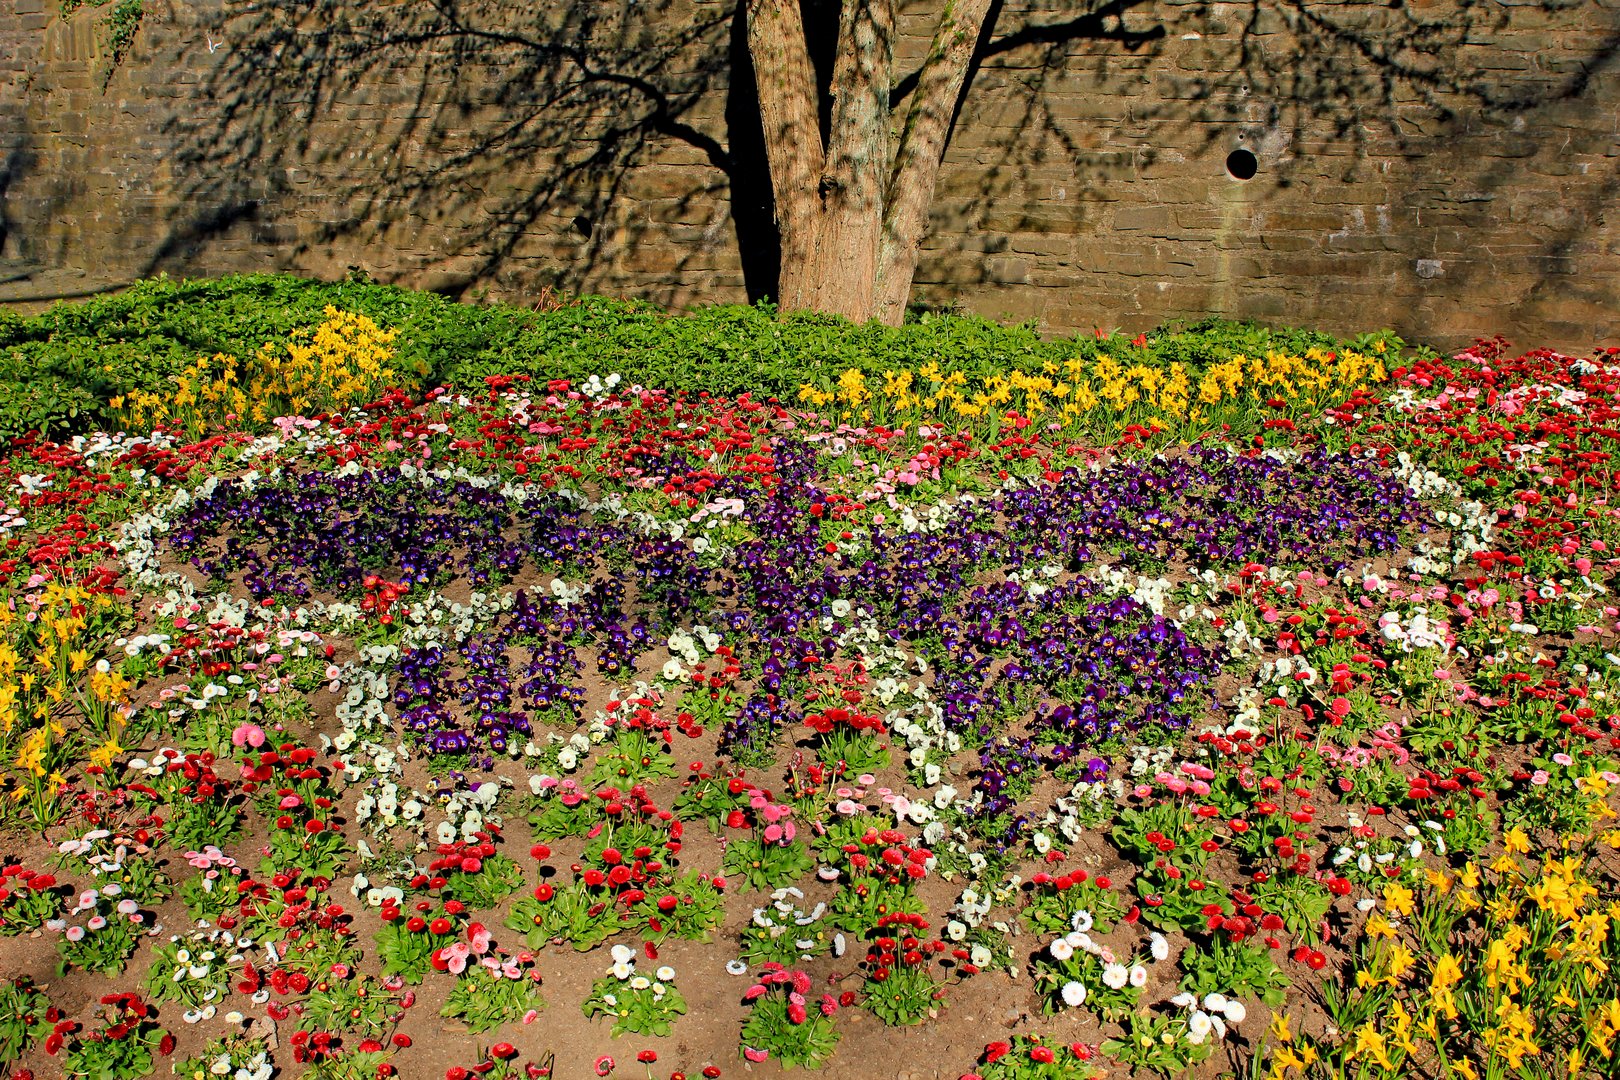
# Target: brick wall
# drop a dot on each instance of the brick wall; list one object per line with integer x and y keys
{"x": 1446, "y": 167}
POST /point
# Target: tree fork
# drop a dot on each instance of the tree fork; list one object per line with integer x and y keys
{"x": 851, "y": 213}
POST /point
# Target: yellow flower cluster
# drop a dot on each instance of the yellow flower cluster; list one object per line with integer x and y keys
{"x": 1103, "y": 390}
{"x": 345, "y": 361}
{"x": 1506, "y": 969}
{"x": 1309, "y": 380}
{"x": 45, "y": 667}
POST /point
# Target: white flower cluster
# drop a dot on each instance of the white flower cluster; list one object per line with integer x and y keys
{"x": 198, "y": 956}
{"x": 783, "y": 917}
{"x": 377, "y": 895}
{"x": 624, "y": 969}
{"x": 101, "y": 861}
{"x": 468, "y": 812}
{"x": 567, "y": 595}
{"x": 689, "y": 648}
{"x": 110, "y": 898}
{"x": 1245, "y": 711}
{"x": 1210, "y": 1017}
{"x": 599, "y": 389}
{"x": 384, "y": 806}
{"x": 363, "y": 706}
{"x": 1150, "y": 760}
{"x": 972, "y": 910}
{"x": 1285, "y": 674}
{"x": 1086, "y": 801}
{"x": 922, "y": 727}
{"x": 1413, "y": 632}
{"x": 564, "y": 755}
{"x": 134, "y": 646}
{"x": 937, "y": 518}
{"x": 1471, "y": 525}
{"x": 1154, "y": 593}
{"x": 862, "y": 633}
{"x": 1038, "y": 588}
{"x": 435, "y": 619}
{"x": 1423, "y": 482}
{"x": 1115, "y": 975}
{"x": 256, "y": 1067}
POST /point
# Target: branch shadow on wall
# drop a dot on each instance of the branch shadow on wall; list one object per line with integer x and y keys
{"x": 14, "y": 165}
{"x": 1300, "y": 82}
{"x": 465, "y": 143}
{"x": 1396, "y": 74}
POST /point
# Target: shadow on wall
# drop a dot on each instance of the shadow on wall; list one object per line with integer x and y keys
{"x": 470, "y": 142}
{"x": 459, "y": 139}
{"x": 1455, "y": 94}
{"x": 13, "y": 165}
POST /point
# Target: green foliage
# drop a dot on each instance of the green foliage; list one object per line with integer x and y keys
{"x": 485, "y": 1000}
{"x": 118, "y": 29}
{"x": 1237, "y": 970}
{"x": 59, "y": 369}
{"x": 23, "y": 1008}
{"x": 46, "y": 403}
{"x": 120, "y": 26}
{"x": 636, "y": 1004}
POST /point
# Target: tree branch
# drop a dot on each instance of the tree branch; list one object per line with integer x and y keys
{"x": 922, "y": 146}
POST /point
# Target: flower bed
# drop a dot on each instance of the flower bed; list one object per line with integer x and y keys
{"x": 629, "y": 730}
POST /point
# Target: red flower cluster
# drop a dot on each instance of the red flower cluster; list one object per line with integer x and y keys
{"x": 425, "y": 921}
{"x": 381, "y": 596}
{"x": 18, "y": 878}
{"x": 825, "y": 721}
{"x": 1069, "y": 881}
{"x": 887, "y": 856}
{"x": 290, "y": 763}
{"x": 796, "y": 983}
{"x": 317, "y": 1046}
{"x": 899, "y": 947}
{"x": 125, "y": 1015}
{"x": 497, "y": 1054}
{"x": 461, "y": 857}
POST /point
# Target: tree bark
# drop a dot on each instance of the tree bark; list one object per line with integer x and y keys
{"x": 792, "y": 128}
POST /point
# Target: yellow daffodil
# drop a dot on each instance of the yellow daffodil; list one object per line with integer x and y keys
{"x": 1398, "y": 899}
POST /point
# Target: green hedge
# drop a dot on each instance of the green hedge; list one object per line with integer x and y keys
{"x": 58, "y": 369}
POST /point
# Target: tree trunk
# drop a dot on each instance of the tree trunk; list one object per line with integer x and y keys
{"x": 789, "y": 120}
{"x": 916, "y": 166}
{"x": 851, "y": 213}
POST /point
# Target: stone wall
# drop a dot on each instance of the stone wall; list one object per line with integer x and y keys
{"x": 1445, "y": 167}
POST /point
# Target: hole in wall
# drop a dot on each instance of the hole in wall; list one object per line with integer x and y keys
{"x": 583, "y": 226}
{"x": 1241, "y": 164}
